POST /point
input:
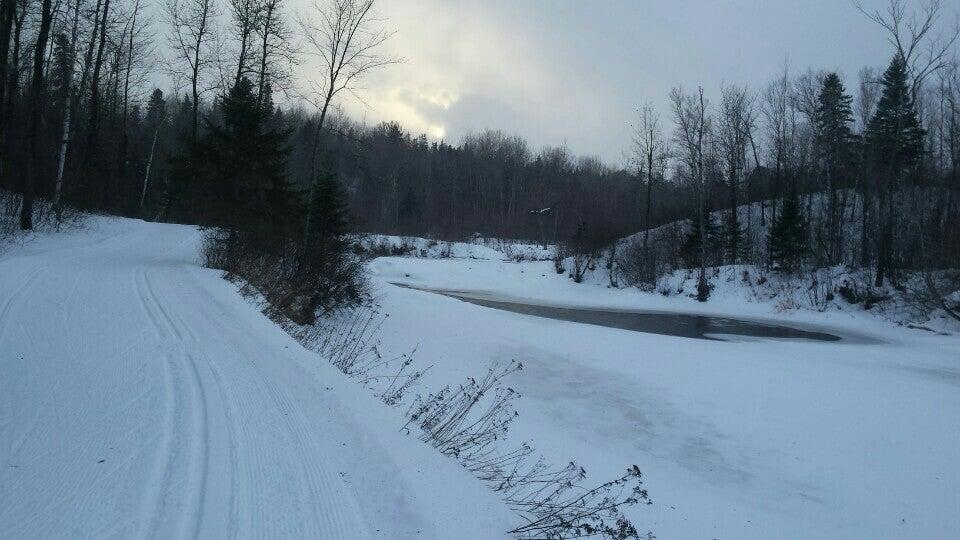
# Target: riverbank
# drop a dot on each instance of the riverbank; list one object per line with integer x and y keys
{"x": 787, "y": 439}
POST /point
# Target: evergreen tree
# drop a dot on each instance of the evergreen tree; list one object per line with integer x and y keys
{"x": 330, "y": 214}
{"x": 895, "y": 145}
{"x": 834, "y": 116}
{"x": 329, "y": 260}
{"x": 787, "y": 241}
{"x": 835, "y": 146}
{"x": 242, "y": 172}
{"x": 156, "y": 108}
{"x": 894, "y": 134}
{"x": 835, "y": 138}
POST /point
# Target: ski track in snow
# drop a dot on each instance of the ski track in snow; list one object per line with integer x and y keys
{"x": 183, "y": 434}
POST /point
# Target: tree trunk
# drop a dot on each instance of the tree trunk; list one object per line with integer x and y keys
{"x": 12, "y": 83}
{"x": 37, "y": 91}
{"x": 646, "y": 214}
{"x": 703, "y": 288}
{"x": 763, "y": 194}
{"x": 124, "y": 135}
{"x": 313, "y": 170}
{"x": 734, "y": 218}
{"x": 94, "y": 121}
{"x": 64, "y": 144}
{"x": 153, "y": 148}
{"x": 8, "y": 10}
{"x": 67, "y": 111}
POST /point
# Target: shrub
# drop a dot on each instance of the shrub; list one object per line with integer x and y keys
{"x": 467, "y": 424}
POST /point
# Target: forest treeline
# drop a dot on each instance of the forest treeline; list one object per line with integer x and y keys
{"x": 270, "y": 163}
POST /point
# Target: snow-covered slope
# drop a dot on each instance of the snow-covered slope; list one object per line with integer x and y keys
{"x": 141, "y": 396}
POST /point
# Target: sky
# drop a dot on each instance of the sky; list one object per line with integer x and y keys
{"x": 574, "y": 73}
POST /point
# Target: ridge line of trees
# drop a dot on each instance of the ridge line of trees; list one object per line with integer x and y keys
{"x": 81, "y": 126}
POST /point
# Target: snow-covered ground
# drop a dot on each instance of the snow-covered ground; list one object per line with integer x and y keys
{"x": 737, "y": 439}
{"x": 142, "y": 396}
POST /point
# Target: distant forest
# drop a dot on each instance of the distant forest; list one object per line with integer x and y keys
{"x": 82, "y": 128}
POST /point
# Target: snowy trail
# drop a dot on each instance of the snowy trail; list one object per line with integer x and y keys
{"x": 141, "y": 397}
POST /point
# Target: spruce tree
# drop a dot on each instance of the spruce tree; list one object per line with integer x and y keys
{"x": 787, "y": 241}
{"x": 835, "y": 147}
{"x": 241, "y": 167}
{"x": 330, "y": 215}
{"x": 894, "y": 134}
{"x": 328, "y": 257}
{"x": 895, "y": 144}
{"x": 834, "y": 115}
{"x": 156, "y": 108}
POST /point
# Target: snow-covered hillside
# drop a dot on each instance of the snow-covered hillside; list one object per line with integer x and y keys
{"x": 142, "y": 396}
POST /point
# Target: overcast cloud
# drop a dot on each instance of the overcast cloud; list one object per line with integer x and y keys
{"x": 574, "y": 73}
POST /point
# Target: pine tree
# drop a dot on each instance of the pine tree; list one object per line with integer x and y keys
{"x": 329, "y": 259}
{"x": 895, "y": 143}
{"x": 156, "y": 108}
{"x": 330, "y": 213}
{"x": 834, "y": 115}
{"x": 787, "y": 241}
{"x": 894, "y": 134}
{"x": 242, "y": 171}
{"x": 835, "y": 146}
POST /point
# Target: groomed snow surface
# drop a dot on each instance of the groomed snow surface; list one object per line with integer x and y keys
{"x": 141, "y": 396}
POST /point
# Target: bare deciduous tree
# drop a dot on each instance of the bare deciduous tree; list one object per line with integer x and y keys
{"x": 277, "y": 52}
{"x": 735, "y": 118}
{"x": 916, "y": 36}
{"x": 777, "y": 109}
{"x": 245, "y": 17}
{"x": 692, "y": 130}
{"x": 866, "y": 103}
{"x": 346, "y": 36}
{"x": 138, "y": 55}
{"x": 37, "y": 92}
{"x": 192, "y": 37}
{"x": 649, "y": 154}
